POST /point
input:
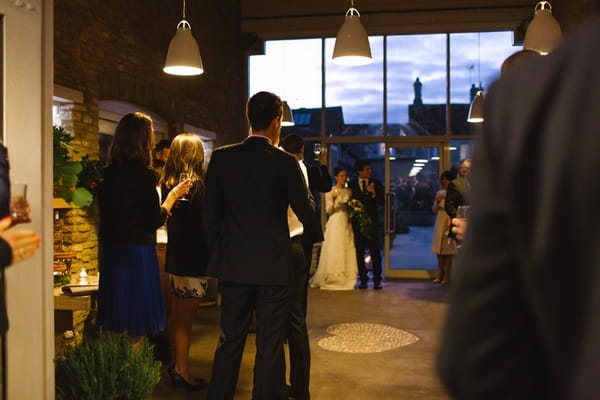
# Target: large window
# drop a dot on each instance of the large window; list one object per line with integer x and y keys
{"x": 426, "y": 75}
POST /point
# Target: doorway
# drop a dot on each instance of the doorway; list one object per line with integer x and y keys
{"x": 409, "y": 172}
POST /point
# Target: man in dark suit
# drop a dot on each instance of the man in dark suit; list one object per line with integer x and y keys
{"x": 249, "y": 187}
{"x": 370, "y": 193}
{"x": 458, "y": 191}
{"x": 523, "y": 321}
{"x": 319, "y": 180}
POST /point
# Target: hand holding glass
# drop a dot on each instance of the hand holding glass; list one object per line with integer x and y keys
{"x": 463, "y": 212}
{"x": 184, "y": 176}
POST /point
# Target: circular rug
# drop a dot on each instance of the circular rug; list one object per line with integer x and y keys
{"x": 365, "y": 338}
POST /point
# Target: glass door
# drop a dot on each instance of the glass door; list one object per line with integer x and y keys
{"x": 412, "y": 180}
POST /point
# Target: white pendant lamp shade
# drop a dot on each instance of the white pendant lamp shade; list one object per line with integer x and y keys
{"x": 288, "y": 117}
{"x": 352, "y": 42}
{"x": 183, "y": 56}
{"x": 475, "y": 115}
{"x": 543, "y": 33}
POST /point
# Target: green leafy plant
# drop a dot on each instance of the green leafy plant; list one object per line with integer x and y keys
{"x": 75, "y": 181}
{"x": 106, "y": 367}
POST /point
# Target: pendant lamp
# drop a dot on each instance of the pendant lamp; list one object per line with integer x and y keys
{"x": 475, "y": 115}
{"x": 288, "y": 117}
{"x": 183, "y": 56}
{"x": 352, "y": 43}
{"x": 543, "y": 33}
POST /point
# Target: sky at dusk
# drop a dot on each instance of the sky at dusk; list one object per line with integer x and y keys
{"x": 292, "y": 69}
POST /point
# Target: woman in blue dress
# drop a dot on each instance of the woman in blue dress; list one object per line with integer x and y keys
{"x": 130, "y": 297}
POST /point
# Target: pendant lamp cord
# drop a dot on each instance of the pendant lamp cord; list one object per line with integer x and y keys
{"x": 183, "y": 9}
{"x": 478, "y": 58}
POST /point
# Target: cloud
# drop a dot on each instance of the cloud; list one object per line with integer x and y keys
{"x": 292, "y": 69}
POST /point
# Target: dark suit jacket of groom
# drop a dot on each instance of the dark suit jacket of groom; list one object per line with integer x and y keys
{"x": 524, "y": 312}
{"x": 371, "y": 203}
{"x": 249, "y": 188}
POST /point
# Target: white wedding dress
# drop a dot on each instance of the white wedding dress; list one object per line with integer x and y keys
{"x": 337, "y": 269}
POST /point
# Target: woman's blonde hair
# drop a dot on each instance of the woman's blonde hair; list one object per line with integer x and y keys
{"x": 186, "y": 154}
{"x": 134, "y": 139}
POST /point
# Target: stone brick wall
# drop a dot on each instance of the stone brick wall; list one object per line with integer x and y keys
{"x": 115, "y": 50}
{"x": 76, "y": 230}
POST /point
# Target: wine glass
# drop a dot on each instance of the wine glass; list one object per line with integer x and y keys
{"x": 184, "y": 176}
{"x": 462, "y": 212}
{"x": 317, "y": 149}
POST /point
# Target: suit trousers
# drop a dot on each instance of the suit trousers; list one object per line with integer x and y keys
{"x": 374, "y": 245}
{"x": 238, "y": 302}
{"x": 297, "y": 331}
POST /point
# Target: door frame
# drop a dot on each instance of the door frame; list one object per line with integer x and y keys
{"x": 443, "y": 144}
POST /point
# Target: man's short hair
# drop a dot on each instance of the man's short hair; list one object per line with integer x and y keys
{"x": 162, "y": 144}
{"x": 360, "y": 164}
{"x": 262, "y": 108}
{"x": 292, "y": 143}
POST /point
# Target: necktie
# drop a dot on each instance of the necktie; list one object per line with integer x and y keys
{"x": 364, "y": 185}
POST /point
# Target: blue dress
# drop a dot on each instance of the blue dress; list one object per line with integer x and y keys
{"x": 130, "y": 295}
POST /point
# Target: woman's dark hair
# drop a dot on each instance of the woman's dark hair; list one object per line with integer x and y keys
{"x": 134, "y": 139}
{"x": 337, "y": 170}
{"x": 448, "y": 175}
{"x": 262, "y": 108}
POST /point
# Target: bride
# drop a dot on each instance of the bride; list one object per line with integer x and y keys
{"x": 337, "y": 267}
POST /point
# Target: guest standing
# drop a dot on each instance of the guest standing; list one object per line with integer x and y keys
{"x": 444, "y": 249}
{"x": 130, "y": 298}
{"x": 187, "y": 254}
{"x": 249, "y": 187}
{"x": 369, "y": 192}
{"x": 302, "y": 238}
{"x": 337, "y": 268}
{"x": 523, "y": 312}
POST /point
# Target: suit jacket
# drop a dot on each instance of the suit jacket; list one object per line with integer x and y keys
{"x": 319, "y": 181}
{"x": 458, "y": 193}
{"x": 524, "y": 315}
{"x": 249, "y": 187}
{"x": 371, "y": 203}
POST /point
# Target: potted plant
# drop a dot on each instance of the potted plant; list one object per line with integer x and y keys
{"x": 74, "y": 181}
{"x": 105, "y": 367}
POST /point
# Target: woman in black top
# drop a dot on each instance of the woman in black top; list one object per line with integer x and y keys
{"x": 130, "y": 298}
{"x": 187, "y": 255}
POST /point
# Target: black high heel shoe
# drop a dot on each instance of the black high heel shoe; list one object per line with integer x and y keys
{"x": 178, "y": 380}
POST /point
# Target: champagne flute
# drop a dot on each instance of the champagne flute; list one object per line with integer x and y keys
{"x": 184, "y": 176}
{"x": 317, "y": 149}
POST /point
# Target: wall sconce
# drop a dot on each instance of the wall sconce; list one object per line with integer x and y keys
{"x": 543, "y": 33}
{"x": 352, "y": 43}
{"x": 183, "y": 56}
{"x": 288, "y": 117}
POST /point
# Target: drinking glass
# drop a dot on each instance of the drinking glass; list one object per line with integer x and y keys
{"x": 18, "y": 202}
{"x": 184, "y": 176}
{"x": 317, "y": 149}
{"x": 463, "y": 212}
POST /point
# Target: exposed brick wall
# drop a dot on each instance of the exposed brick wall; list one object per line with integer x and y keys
{"x": 115, "y": 50}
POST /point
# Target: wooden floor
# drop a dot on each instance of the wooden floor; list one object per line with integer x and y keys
{"x": 384, "y": 346}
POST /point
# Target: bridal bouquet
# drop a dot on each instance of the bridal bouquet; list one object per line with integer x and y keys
{"x": 359, "y": 217}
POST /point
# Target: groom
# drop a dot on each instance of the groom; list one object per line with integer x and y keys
{"x": 370, "y": 193}
{"x": 249, "y": 187}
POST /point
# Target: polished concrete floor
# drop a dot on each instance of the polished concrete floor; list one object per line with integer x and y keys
{"x": 365, "y": 344}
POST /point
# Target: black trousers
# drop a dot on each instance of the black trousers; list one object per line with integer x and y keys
{"x": 297, "y": 331}
{"x": 238, "y": 302}
{"x": 374, "y": 245}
